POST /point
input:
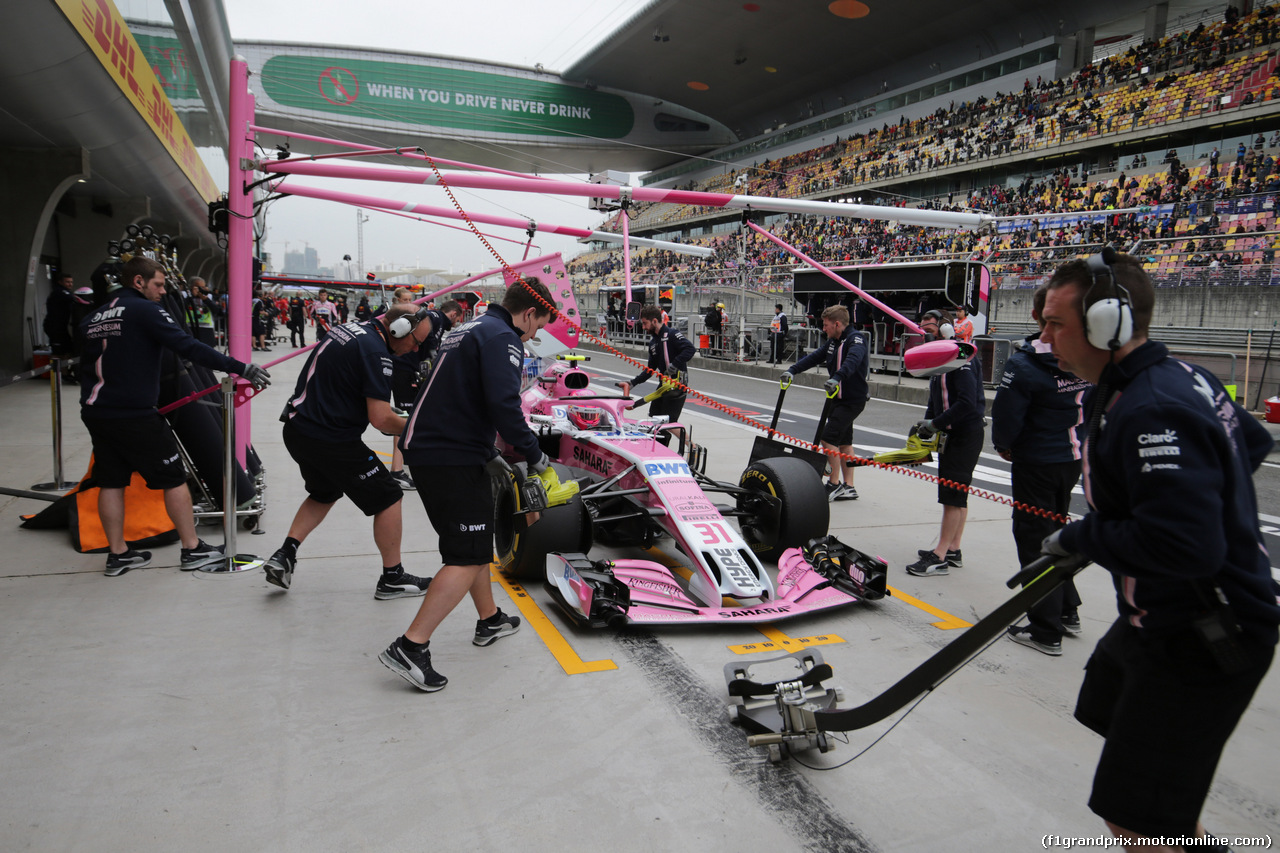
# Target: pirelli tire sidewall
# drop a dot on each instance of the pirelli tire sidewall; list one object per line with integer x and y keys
{"x": 522, "y": 552}
{"x": 802, "y": 514}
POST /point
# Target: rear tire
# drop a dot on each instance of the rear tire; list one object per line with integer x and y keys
{"x": 522, "y": 553}
{"x": 802, "y": 513}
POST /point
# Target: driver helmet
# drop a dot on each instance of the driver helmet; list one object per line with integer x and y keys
{"x": 589, "y": 417}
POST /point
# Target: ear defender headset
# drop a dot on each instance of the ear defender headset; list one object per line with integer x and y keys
{"x": 1108, "y": 323}
{"x": 946, "y": 331}
{"x": 402, "y": 327}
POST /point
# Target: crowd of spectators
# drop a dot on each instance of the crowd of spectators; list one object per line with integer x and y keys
{"x": 1141, "y": 85}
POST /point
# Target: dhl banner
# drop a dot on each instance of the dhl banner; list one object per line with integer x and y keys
{"x": 108, "y": 37}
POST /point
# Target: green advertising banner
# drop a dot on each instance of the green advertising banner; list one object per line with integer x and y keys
{"x": 443, "y": 97}
{"x": 169, "y": 62}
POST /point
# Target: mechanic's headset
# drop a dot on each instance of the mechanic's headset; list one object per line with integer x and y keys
{"x": 402, "y": 327}
{"x": 1108, "y": 323}
{"x": 946, "y": 331}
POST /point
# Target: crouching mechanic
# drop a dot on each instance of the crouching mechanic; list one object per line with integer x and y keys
{"x": 957, "y": 407}
{"x": 1174, "y": 518}
{"x": 845, "y": 356}
{"x": 471, "y": 396}
{"x": 345, "y": 387}
{"x": 669, "y": 354}
{"x": 120, "y": 384}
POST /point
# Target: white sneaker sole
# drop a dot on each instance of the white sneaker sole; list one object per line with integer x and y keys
{"x": 403, "y": 671}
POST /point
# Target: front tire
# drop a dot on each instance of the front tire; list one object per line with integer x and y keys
{"x": 793, "y": 510}
{"x": 522, "y": 551}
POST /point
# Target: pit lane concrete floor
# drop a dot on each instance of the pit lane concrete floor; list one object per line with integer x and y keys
{"x": 162, "y": 710}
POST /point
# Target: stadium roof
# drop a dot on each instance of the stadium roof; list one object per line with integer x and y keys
{"x": 747, "y": 64}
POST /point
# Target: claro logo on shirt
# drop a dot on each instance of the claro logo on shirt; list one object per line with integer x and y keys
{"x": 1169, "y": 436}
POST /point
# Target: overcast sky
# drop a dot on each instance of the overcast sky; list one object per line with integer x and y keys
{"x": 519, "y": 32}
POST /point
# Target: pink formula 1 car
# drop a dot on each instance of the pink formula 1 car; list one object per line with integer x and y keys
{"x": 642, "y": 481}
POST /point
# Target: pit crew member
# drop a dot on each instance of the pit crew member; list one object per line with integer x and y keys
{"x": 472, "y": 395}
{"x": 956, "y": 408}
{"x": 345, "y": 387}
{"x": 845, "y": 357}
{"x": 669, "y": 354}
{"x": 1174, "y": 518}
{"x": 120, "y": 384}
{"x": 1037, "y": 424}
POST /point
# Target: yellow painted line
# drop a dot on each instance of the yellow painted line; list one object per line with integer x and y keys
{"x": 948, "y": 622}
{"x": 555, "y": 641}
{"x": 775, "y": 641}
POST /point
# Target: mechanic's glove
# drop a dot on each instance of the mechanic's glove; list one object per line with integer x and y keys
{"x": 673, "y": 371}
{"x": 540, "y": 466}
{"x": 497, "y": 466}
{"x": 257, "y": 376}
{"x": 926, "y": 430}
{"x": 786, "y": 378}
{"x": 831, "y": 386}
{"x": 557, "y": 492}
{"x": 1052, "y": 545}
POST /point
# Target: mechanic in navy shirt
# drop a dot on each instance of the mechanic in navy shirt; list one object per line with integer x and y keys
{"x": 120, "y": 384}
{"x": 1169, "y": 461}
{"x": 956, "y": 408}
{"x": 345, "y": 387}
{"x": 407, "y": 370}
{"x": 845, "y": 356}
{"x": 471, "y": 396}
{"x": 1037, "y": 424}
{"x": 669, "y": 354}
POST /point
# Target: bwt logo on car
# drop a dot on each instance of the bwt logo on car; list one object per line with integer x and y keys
{"x": 666, "y": 469}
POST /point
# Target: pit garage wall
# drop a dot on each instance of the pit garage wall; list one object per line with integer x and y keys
{"x": 1212, "y": 306}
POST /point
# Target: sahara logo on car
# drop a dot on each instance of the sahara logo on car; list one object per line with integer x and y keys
{"x": 734, "y": 614}
{"x": 596, "y": 463}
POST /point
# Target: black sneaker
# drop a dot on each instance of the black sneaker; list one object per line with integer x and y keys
{"x": 202, "y": 555}
{"x": 1023, "y": 636}
{"x": 404, "y": 481}
{"x": 846, "y": 493}
{"x": 279, "y": 568}
{"x": 403, "y": 585}
{"x": 954, "y": 560}
{"x": 832, "y": 490}
{"x": 118, "y": 564}
{"x": 929, "y": 566}
{"x": 413, "y": 667}
{"x": 497, "y": 626}
{"x": 1071, "y": 624}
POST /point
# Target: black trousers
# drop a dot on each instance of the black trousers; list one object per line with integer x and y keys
{"x": 1046, "y": 486}
{"x": 779, "y": 342}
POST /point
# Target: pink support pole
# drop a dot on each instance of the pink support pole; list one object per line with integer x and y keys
{"x": 403, "y": 152}
{"x": 391, "y": 205}
{"x": 626, "y": 251}
{"x": 546, "y": 186}
{"x": 240, "y": 237}
{"x": 524, "y": 243}
{"x": 837, "y": 279}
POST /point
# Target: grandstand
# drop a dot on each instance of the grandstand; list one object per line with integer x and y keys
{"x": 1167, "y": 148}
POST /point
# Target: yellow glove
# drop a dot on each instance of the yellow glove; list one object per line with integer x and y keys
{"x": 557, "y": 492}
